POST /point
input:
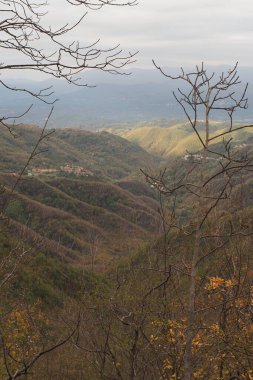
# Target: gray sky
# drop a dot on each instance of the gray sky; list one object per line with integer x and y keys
{"x": 174, "y": 32}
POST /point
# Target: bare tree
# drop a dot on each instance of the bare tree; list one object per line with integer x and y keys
{"x": 209, "y": 182}
{"x": 98, "y": 4}
{"x": 181, "y": 309}
{"x": 27, "y": 43}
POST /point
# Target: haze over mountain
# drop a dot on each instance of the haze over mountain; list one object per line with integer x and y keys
{"x": 144, "y": 95}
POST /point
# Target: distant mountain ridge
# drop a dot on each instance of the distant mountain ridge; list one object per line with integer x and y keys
{"x": 144, "y": 95}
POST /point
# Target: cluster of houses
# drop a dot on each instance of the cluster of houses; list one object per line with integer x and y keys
{"x": 196, "y": 157}
{"x": 79, "y": 171}
{"x": 199, "y": 156}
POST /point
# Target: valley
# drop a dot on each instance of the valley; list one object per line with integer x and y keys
{"x": 93, "y": 234}
{"x": 126, "y": 190}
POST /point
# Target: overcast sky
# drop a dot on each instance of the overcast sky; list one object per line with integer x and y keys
{"x": 174, "y": 32}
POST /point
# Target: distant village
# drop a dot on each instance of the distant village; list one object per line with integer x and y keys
{"x": 198, "y": 157}
{"x": 79, "y": 171}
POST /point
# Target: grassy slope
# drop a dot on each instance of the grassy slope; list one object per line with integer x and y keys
{"x": 175, "y": 140}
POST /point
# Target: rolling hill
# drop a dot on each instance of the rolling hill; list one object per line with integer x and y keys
{"x": 176, "y": 139}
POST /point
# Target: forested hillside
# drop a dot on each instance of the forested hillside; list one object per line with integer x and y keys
{"x": 81, "y": 218}
{"x": 104, "y": 154}
{"x": 108, "y": 249}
